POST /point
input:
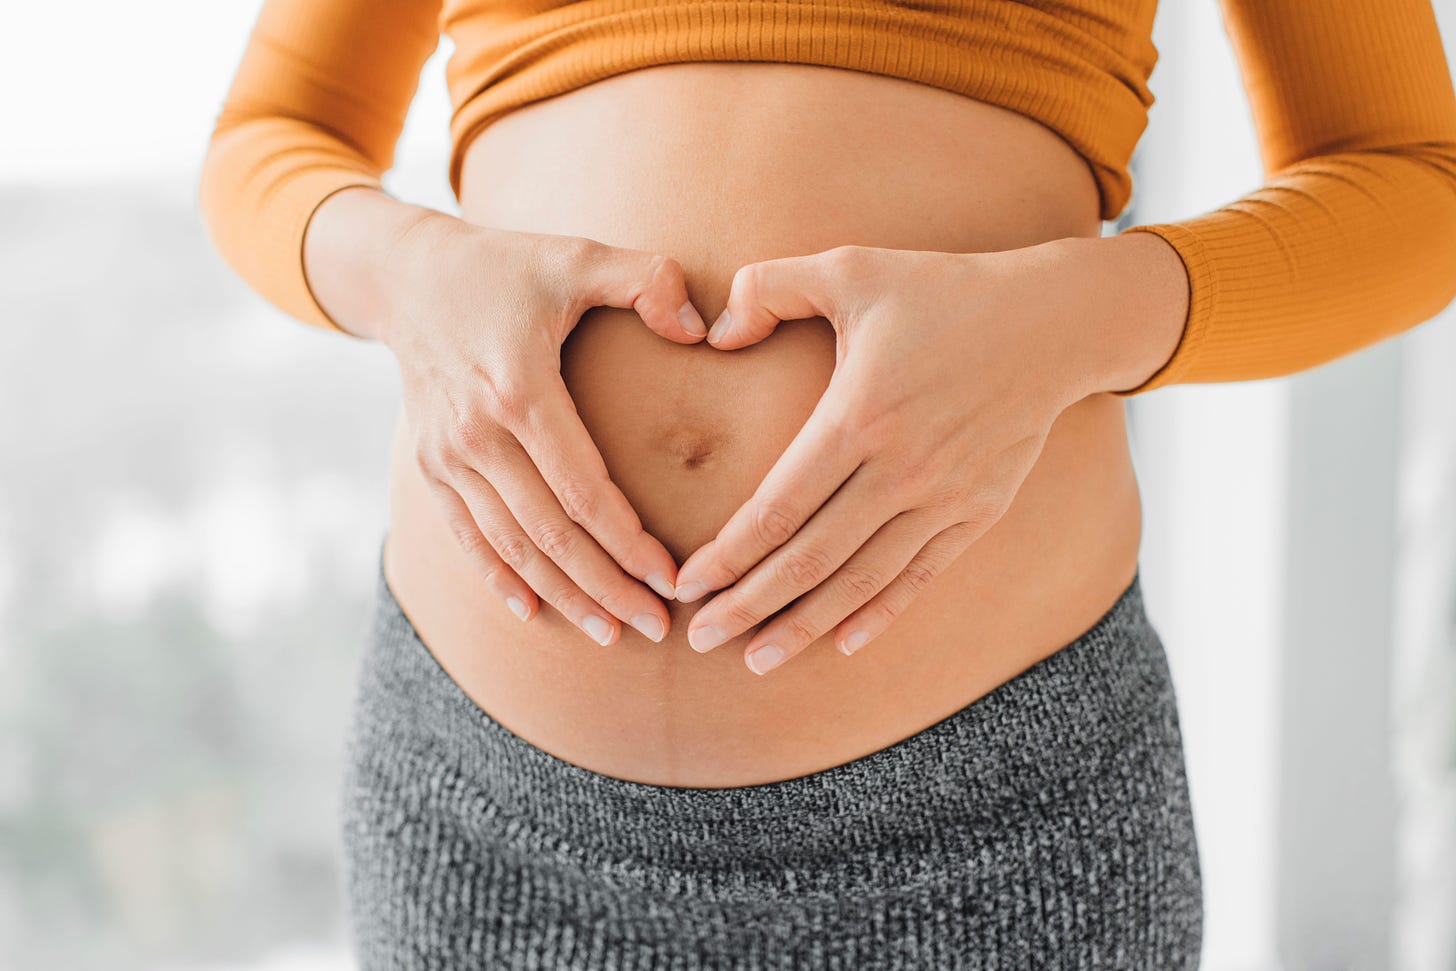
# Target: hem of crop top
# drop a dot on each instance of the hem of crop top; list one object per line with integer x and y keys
{"x": 1086, "y": 93}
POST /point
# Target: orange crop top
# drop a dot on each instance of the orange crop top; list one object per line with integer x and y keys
{"x": 1351, "y": 239}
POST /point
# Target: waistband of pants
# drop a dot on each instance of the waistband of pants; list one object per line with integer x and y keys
{"x": 1071, "y": 722}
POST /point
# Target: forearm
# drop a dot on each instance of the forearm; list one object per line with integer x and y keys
{"x": 346, "y": 251}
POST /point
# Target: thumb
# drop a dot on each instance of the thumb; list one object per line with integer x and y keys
{"x": 648, "y": 283}
{"x": 770, "y": 291}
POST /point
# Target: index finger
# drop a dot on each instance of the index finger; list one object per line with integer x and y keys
{"x": 816, "y": 463}
{"x": 567, "y": 458}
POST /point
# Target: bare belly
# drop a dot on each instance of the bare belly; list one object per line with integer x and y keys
{"x": 719, "y": 165}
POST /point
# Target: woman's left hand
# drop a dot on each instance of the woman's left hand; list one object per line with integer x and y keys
{"x": 950, "y": 369}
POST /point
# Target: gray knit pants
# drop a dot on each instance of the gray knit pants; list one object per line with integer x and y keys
{"x": 1045, "y": 825}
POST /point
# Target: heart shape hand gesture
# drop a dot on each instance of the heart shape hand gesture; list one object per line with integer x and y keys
{"x": 950, "y": 371}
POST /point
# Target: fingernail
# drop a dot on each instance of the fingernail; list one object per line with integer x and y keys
{"x": 659, "y": 583}
{"x": 705, "y": 638}
{"x": 720, "y": 326}
{"x": 518, "y": 607}
{"x": 691, "y": 321}
{"x": 650, "y": 626}
{"x": 597, "y": 629}
{"x": 855, "y": 641}
{"x": 689, "y": 592}
{"x": 765, "y": 658}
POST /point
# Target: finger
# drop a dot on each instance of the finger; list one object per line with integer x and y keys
{"x": 653, "y": 285}
{"x": 770, "y": 291}
{"x": 816, "y": 463}
{"x": 833, "y": 534}
{"x": 499, "y": 578}
{"x": 540, "y": 515}
{"x": 869, "y": 621}
{"x": 520, "y": 554}
{"x": 881, "y": 559}
{"x": 565, "y": 455}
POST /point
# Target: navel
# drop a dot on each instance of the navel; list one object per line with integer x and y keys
{"x": 692, "y": 448}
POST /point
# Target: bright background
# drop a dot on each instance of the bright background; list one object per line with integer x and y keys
{"x": 192, "y": 497}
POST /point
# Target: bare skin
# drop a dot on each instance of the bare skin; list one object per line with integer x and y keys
{"x": 715, "y": 167}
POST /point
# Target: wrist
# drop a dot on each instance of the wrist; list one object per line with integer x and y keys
{"x": 1134, "y": 305}
{"x": 349, "y": 252}
{"x": 407, "y": 254}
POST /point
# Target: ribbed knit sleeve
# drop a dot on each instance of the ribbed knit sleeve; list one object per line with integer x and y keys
{"x": 1352, "y": 238}
{"x": 317, "y": 105}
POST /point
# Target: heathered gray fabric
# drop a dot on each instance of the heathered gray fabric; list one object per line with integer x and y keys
{"x": 1046, "y": 825}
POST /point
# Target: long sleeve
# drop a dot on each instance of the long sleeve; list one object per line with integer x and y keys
{"x": 317, "y": 105}
{"x": 1352, "y": 238}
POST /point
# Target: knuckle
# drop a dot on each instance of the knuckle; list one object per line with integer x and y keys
{"x": 511, "y": 408}
{"x": 858, "y": 584}
{"x": 660, "y": 269}
{"x": 616, "y": 599}
{"x": 471, "y": 433}
{"x": 880, "y": 614}
{"x": 492, "y": 572}
{"x": 844, "y": 260}
{"x": 799, "y": 630}
{"x": 752, "y": 279}
{"x": 580, "y": 501}
{"x": 917, "y": 576}
{"x": 562, "y": 257}
{"x": 428, "y": 461}
{"x": 772, "y": 524}
{"x": 741, "y": 614}
{"x": 922, "y": 479}
{"x": 556, "y": 540}
{"x": 504, "y": 395}
{"x": 513, "y": 550}
{"x": 956, "y": 538}
{"x": 475, "y": 545}
{"x": 745, "y": 278}
{"x": 669, "y": 272}
{"x": 567, "y": 598}
{"x": 961, "y": 532}
{"x": 486, "y": 560}
{"x": 803, "y": 565}
{"x": 944, "y": 486}
{"x": 580, "y": 250}
{"x": 982, "y": 510}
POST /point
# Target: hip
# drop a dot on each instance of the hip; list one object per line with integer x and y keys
{"x": 1047, "y": 822}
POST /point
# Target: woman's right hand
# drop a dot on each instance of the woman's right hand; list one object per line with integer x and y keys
{"x": 476, "y": 318}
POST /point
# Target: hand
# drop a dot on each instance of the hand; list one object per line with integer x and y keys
{"x": 476, "y": 318}
{"x": 950, "y": 371}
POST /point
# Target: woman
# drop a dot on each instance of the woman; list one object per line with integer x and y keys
{"x": 928, "y": 456}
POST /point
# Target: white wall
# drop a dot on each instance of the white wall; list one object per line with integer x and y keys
{"x": 1209, "y": 460}
{"x": 1298, "y": 558}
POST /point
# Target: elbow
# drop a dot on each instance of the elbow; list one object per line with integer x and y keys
{"x": 237, "y": 202}
{"x": 219, "y": 195}
{"x": 1442, "y": 162}
{"x": 206, "y": 193}
{"x": 1433, "y": 168}
{"x": 260, "y": 180}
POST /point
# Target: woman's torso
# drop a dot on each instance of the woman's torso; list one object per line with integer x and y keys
{"x": 719, "y": 165}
